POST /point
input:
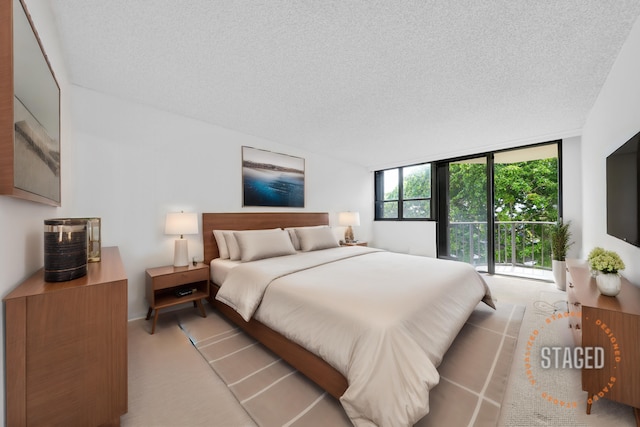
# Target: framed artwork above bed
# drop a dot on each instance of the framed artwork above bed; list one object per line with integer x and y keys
{"x": 272, "y": 179}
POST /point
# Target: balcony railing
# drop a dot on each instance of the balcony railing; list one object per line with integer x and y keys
{"x": 524, "y": 244}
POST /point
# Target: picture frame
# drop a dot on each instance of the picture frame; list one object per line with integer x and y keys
{"x": 30, "y": 104}
{"x": 272, "y": 179}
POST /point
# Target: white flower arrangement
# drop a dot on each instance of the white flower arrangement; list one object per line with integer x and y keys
{"x": 607, "y": 262}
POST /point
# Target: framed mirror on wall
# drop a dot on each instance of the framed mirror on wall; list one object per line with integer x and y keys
{"x": 29, "y": 111}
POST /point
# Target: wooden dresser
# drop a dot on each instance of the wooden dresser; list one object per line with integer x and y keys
{"x": 66, "y": 348}
{"x": 612, "y": 323}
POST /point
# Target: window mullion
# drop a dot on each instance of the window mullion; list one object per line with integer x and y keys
{"x": 400, "y": 194}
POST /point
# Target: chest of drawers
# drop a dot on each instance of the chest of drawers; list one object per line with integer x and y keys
{"x": 612, "y": 323}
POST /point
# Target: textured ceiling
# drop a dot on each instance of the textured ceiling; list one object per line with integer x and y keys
{"x": 374, "y": 82}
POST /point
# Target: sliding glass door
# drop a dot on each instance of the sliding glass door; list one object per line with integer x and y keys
{"x": 463, "y": 202}
{"x": 496, "y": 211}
{"x": 526, "y": 205}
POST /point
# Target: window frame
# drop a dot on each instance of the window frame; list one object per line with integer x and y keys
{"x": 379, "y": 199}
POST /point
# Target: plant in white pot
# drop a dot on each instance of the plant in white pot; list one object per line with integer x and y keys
{"x": 560, "y": 236}
{"x": 606, "y": 265}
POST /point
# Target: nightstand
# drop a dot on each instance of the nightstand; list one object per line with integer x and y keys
{"x": 356, "y": 243}
{"x": 169, "y": 286}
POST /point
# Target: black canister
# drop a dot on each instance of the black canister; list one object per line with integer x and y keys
{"x": 65, "y": 249}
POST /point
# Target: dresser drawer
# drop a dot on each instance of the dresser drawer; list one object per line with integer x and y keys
{"x": 574, "y": 308}
{"x": 575, "y": 321}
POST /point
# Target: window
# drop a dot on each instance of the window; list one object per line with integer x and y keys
{"x": 403, "y": 193}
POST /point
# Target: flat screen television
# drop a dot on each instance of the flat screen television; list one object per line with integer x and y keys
{"x": 623, "y": 179}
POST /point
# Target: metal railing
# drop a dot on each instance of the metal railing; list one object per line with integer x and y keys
{"x": 517, "y": 243}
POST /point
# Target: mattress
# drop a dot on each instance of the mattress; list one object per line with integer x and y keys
{"x": 219, "y": 268}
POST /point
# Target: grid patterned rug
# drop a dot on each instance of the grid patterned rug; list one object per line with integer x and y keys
{"x": 473, "y": 380}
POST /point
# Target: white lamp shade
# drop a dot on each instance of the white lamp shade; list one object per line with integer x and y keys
{"x": 181, "y": 223}
{"x": 349, "y": 218}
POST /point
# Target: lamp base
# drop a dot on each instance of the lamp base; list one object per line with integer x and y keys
{"x": 181, "y": 253}
{"x": 348, "y": 234}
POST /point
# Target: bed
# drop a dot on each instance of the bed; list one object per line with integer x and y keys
{"x": 358, "y": 321}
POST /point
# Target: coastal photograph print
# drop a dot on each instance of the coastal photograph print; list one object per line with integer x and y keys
{"x": 272, "y": 179}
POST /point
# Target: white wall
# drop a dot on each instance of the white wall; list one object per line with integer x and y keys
{"x": 572, "y": 192}
{"x": 411, "y": 237}
{"x": 22, "y": 222}
{"x": 137, "y": 163}
{"x": 613, "y": 119}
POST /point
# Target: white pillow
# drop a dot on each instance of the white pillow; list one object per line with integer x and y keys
{"x": 294, "y": 236}
{"x": 312, "y": 239}
{"x": 232, "y": 245}
{"x": 223, "y": 251}
{"x": 260, "y": 244}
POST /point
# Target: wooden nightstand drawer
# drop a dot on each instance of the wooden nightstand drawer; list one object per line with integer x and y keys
{"x": 180, "y": 278}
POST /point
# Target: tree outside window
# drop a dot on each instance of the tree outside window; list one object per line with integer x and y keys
{"x": 404, "y": 193}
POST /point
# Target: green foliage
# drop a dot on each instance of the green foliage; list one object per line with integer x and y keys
{"x": 527, "y": 191}
{"x": 416, "y": 185}
{"x": 468, "y": 192}
{"x": 524, "y": 191}
{"x": 560, "y": 236}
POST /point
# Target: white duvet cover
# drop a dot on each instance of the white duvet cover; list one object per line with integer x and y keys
{"x": 382, "y": 319}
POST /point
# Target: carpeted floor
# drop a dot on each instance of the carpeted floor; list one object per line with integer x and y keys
{"x": 170, "y": 383}
{"x": 474, "y": 373}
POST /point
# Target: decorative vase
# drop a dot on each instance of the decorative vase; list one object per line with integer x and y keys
{"x": 608, "y": 284}
{"x": 65, "y": 249}
{"x": 559, "y": 274}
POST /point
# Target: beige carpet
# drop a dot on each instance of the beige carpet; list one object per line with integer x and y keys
{"x": 474, "y": 373}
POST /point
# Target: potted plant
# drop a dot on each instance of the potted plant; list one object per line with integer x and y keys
{"x": 560, "y": 236}
{"x": 606, "y": 265}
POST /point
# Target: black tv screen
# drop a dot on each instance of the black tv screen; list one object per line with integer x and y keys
{"x": 622, "y": 192}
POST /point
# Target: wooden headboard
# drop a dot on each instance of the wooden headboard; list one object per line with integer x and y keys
{"x": 253, "y": 221}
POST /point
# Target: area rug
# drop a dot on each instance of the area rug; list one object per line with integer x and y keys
{"x": 556, "y": 398}
{"x": 474, "y": 373}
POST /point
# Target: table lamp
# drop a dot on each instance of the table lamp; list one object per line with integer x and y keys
{"x": 348, "y": 219}
{"x": 181, "y": 223}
